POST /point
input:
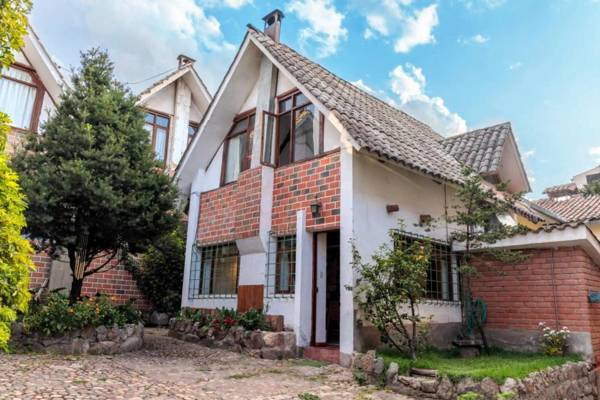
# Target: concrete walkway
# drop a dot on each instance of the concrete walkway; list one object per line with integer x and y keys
{"x": 170, "y": 369}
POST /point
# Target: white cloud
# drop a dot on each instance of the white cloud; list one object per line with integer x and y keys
{"x": 143, "y": 37}
{"x": 325, "y": 27}
{"x": 475, "y": 39}
{"x": 418, "y": 30}
{"x": 531, "y": 179}
{"x": 228, "y": 3}
{"x": 515, "y": 66}
{"x": 481, "y": 5}
{"x": 528, "y": 154}
{"x": 409, "y": 26}
{"x": 360, "y": 84}
{"x": 408, "y": 83}
{"x": 595, "y": 151}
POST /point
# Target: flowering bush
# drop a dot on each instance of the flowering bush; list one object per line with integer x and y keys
{"x": 56, "y": 316}
{"x": 224, "y": 319}
{"x": 554, "y": 341}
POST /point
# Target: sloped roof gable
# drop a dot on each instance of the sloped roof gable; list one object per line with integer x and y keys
{"x": 376, "y": 126}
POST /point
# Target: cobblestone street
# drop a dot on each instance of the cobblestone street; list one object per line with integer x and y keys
{"x": 170, "y": 369}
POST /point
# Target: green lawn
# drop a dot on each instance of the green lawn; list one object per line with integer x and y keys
{"x": 498, "y": 365}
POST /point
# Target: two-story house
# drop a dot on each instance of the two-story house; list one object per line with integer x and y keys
{"x": 290, "y": 164}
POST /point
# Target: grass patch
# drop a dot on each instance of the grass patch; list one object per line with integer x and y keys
{"x": 308, "y": 396}
{"x": 304, "y": 362}
{"x": 497, "y": 365}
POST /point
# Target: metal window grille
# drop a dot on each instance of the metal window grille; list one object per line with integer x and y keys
{"x": 442, "y": 274}
{"x": 281, "y": 267}
{"x": 214, "y": 271}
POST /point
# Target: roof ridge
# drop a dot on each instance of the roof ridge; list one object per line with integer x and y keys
{"x": 478, "y": 129}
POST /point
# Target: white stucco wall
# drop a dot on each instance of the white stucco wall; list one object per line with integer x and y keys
{"x": 163, "y": 101}
{"x": 376, "y": 185}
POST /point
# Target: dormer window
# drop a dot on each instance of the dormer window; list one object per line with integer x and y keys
{"x": 157, "y": 126}
{"x": 237, "y": 151}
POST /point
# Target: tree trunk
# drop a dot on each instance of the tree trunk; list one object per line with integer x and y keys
{"x": 75, "y": 293}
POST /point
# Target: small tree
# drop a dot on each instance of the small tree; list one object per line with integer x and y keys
{"x": 591, "y": 189}
{"x": 93, "y": 185}
{"x": 478, "y": 226}
{"x": 15, "y": 251}
{"x": 159, "y": 271}
{"x": 390, "y": 288}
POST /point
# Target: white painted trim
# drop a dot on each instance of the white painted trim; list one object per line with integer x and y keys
{"x": 303, "y": 286}
{"x": 579, "y": 236}
{"x": 192, "y": 225}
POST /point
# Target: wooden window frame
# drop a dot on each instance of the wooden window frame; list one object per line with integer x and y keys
{"x": 154, "y": 126}
{"x": 214, "y": 257}
{"x": 319, "y": 148}
{"x": 36, "y": 112}
{"x": 292, "y": 271}
{"x": 247, "y": 157}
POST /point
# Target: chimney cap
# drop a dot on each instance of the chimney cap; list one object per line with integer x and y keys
{"x": 184, "y": 60}
{"x": 277, "y": 13}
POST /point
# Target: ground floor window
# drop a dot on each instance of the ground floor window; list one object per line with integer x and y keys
{"x": 215, "y": 270}
{"x": 442, "y": 276}
{"x": 281, "y": 266}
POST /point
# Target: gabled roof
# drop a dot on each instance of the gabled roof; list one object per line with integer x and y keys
{"x": 198, "y": 87}
{"x": 574, "y": 208}
{"x": 375, "y": 126}
{"x": 481, "y": 149}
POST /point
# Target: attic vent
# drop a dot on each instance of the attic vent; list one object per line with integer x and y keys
{"x": 273, "y": 24}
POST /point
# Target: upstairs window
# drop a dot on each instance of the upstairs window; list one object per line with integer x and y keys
{"x": 297, "y": 136}
{"x": 237, "y": 151}
{"x": 19, "y": 97}
{"x": 157, "y": 126}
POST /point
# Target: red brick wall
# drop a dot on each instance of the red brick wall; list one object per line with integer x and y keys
{"x": 232, "y": 211}
{"x": 297, "y": 185}
{"x": 116, "y": 282}
{"x": 520, "y": 296}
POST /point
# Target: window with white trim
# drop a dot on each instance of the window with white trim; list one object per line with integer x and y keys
{"x": 18, "y": 95}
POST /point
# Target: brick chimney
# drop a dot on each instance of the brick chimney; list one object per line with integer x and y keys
{"x": 273, "y": 24}
{"x": 184, "y": 60}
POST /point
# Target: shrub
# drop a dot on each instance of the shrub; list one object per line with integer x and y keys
{"x": 254, "y": 319}
{"x": 554, "y": 341}
{"x": 57, "y": 316}
{"x": 224, "y": 319}
{"x": 192, "y": 315}
{"x": 159, "y": 272}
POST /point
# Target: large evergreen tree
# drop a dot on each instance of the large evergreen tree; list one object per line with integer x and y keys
{"x": 93, "y": 185}
{"x": 15, "y": 251}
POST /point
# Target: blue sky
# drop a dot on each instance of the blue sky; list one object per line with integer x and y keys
{"x": 455, "y": 64}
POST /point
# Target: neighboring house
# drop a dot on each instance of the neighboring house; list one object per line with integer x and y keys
{"x": 174, "y": 107}
{"x": 30, "y": 91}
{"x": 30, "y": 88}
{"x": 291, "y": 163}
{"x": 576, "y": 186}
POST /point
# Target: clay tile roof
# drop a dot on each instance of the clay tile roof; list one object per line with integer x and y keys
{"x": 376, "y": 126}
{"x": 480, "y": 149}
{"x": 567, "y": 188}
{"x": 575, "y": 208}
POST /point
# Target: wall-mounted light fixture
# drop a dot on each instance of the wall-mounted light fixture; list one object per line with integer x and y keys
{"x": 390, "y": 208}
{"x": 315, "y": 209}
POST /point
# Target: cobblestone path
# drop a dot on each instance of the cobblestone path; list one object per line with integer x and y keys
{"x": 170, "y": 369}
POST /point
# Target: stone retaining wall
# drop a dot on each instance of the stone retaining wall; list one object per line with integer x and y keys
{"x": 260, "y": 344}
{"x": 100, "y": 340}
{"x": 570, "y": 381}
